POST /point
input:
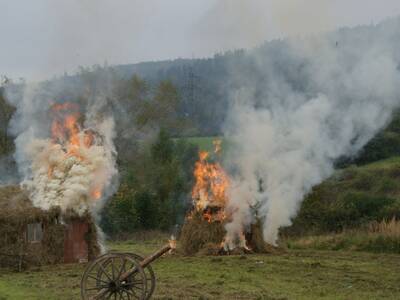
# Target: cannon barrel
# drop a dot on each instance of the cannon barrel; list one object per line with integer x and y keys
{"x": 148, "y": 260}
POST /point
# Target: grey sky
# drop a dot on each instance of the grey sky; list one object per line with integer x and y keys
{"x": 41, "y": 38}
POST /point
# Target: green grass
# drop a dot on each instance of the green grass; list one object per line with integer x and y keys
{"x": 297, "y": 274}
{"x": 378, "y": 178}
{"x": 348, "y": 240}
{"x": 206, "y": 143}
{"x": 378, "y": 237}
{"x": 312, "y": 268}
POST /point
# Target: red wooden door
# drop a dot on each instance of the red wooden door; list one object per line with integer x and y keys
{"x": 75, "y": 245}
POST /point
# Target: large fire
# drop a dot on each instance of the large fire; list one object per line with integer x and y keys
{"x": 66, "y": 133}
{"x": 71, "y": 168}
{"x": 209, "y": 193}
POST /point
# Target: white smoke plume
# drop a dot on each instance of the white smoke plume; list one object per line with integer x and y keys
{"x": 8, "y": 175}
{"x": 319, "y": 98}
{"x": 70, "y": 165}
{"x": 74, "y": 177}
{"x": 238, "y": 24}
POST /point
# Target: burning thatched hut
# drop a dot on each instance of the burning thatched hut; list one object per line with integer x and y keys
{"x": 32, "y": 236}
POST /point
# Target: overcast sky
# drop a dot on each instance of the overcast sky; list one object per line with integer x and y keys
{"x": 42, "y": 38}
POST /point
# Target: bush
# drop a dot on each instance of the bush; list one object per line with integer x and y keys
{"x": 362, "y": 207}
{"x": 146, "y": 210}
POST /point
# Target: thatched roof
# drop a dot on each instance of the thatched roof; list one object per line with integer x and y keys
{"x": 15, "y": 206}
{"x": 12, "y": 197}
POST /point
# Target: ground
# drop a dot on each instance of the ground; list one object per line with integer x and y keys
{"x": 296, "y": 274}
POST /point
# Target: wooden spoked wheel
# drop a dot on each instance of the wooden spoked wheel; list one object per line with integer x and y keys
{"x": 114, "y": 276}
{"x": 150, "y": 276}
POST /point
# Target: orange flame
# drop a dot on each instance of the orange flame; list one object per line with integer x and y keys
{"x": 67, "y": 133}
{"x": 210, "y": 198}
{"x": 209, "y": 191}
{"x": 96, "y": 194}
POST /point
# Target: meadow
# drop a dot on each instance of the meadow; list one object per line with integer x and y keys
{"x": 292, "y": 274}
{"x": 343, "y": 245}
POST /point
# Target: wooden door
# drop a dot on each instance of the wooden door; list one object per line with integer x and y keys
{"x": 75, "y": 245}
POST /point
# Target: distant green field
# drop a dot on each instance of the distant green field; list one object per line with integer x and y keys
{"x": 205, "y": 143}
{"x": 300, "y": 274}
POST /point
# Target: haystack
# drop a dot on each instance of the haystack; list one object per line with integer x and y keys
{"x": 198, "y": 234}
{"x": 200, "y": 237}
{"x": 255, "y": 240}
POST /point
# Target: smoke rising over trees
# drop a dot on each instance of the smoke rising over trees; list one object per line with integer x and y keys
{"x": 275, "y": 88}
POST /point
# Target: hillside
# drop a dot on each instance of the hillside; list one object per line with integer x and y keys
{"x": 207, "y": 86}
{"x": 352, "y": 197}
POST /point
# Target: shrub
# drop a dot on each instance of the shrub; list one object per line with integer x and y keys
{"x": 361, "y": 207}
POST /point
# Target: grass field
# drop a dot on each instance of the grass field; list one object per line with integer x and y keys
{"x": 296, "y": 274}
{"x": 312, "y": 268}
{"x": 204, "y": 143}
{"x": 378, "y": 237}
{"x": 207, "y": 143}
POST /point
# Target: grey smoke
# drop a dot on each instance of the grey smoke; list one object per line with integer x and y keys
{"x": 43, "y": 38}
{"x": 235, "y": 24}
{"x": 8, "y": 174}
{"x": 73, "y": 180}
{"x": 318, "y": 98}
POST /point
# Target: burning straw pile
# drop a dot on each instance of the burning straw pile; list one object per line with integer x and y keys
{"x": 204, "y": 229}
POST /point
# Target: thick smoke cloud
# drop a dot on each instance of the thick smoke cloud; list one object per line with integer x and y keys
{"x": 319, "y": 98}
{"x": 58, "y": 173}
{"x": 234, "y": 24}
{"x": 43, "y": 38}
{"x": 293, "y": 17}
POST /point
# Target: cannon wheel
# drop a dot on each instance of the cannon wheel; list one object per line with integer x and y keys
{"x": 148, "y": 271}
{"x": 150, "y": 276}
{"x": 101, "y": 279}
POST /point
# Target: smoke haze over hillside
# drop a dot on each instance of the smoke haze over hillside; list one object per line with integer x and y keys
{"x": 44, "y": 38}
{"x": 313, "y": 101}
{"x": 297, "y": 104}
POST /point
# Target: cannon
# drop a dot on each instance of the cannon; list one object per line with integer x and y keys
{"x": 121, "y": 276}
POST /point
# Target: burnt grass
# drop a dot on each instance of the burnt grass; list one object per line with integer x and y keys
{"x": 294, "y": 274}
